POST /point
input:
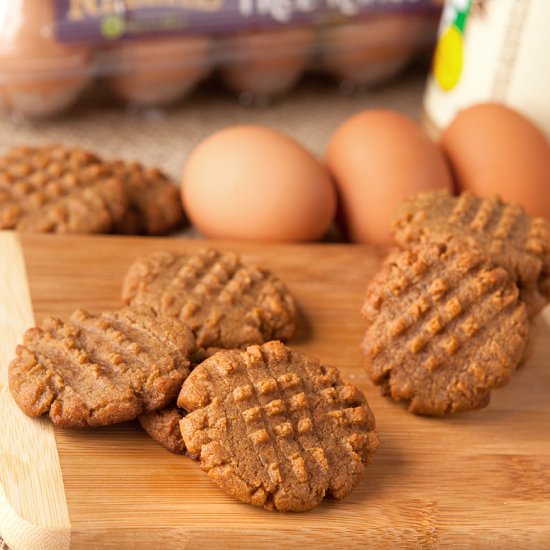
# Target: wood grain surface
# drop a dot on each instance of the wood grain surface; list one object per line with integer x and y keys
{"x": 479, "y": 479}
{"x": 29, "y": 462}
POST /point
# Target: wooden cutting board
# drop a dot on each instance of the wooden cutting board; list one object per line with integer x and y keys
{"x": 479, "y": 479}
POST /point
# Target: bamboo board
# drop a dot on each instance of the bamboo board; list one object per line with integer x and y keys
{"x": 479, "y": 479}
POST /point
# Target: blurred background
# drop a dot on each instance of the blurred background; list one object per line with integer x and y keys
{"x": 149, "y": 84}
{"x": 150, "y": 81}
{"x": 164, "y": 136}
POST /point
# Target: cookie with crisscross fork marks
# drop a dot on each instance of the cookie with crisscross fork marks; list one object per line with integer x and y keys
{"x": 445, "y": 327}
{"x": 154, "y": 202}
{"x": 275, "y": 428}
{"x": 505, "y": 233}
{"x": 54, "y": 189}
{"x": 101, "y": 369}
{"x": 227, "y": 304}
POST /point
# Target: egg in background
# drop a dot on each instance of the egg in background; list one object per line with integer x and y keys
{"x": 149, "y": 73}
{"x": 369, "y": 51}
{"x": 263, "y": 65}
{"x": 377, "y": 158}
{"x": 494, "y": 150}
{"x": 252, "y": 183}
{"x": 40, "y": 77}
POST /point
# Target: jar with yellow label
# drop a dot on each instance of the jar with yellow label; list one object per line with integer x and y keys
{"x": 490, "y": 50}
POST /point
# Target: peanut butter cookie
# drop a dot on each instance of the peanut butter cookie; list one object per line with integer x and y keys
{"x": 164, "y": 427}
{"x": 59, "y": 190}
{"x": 154, "y": 201}
{"x": 56, "y": 189}
{"x": 505, "y": 233}
{"x": 275, "y": 428}
{"x": 101, "y": 369}
{"x": 226, "y": 303}
{"x": 445, "y": 327}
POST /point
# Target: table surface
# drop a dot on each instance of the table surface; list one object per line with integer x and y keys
{"x": 479, "y": 479}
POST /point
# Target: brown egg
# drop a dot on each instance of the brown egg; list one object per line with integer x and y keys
{"x": 364, "y": 53}
{"x": 158, "y": 72}
{"x": 493, "y": 149}
{"x": 378, "y": 158}
{"x": 40, "y": 76}
{"x": 255, "y": 184}
{"x": 266, "y": 63}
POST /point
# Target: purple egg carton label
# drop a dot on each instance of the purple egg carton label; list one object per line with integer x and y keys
{"x": 93, "y": 21}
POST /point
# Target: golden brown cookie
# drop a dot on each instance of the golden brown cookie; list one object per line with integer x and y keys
{"x": 445, "y": 327}
{"x": 101, "y": 369}
{"x": 154, "y": 201}
{"x": 226, "y": 303}
{"x": 58, "y": 190}
{"x": 89, "y": 210}
{"x": 506, "y": 234}
{"x": 164, "y": 427}
{"x": 276, "y": 428}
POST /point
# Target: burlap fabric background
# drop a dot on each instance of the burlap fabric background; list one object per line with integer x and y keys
{"x": 310, "y": 113}
{"x": 165, "y": 138}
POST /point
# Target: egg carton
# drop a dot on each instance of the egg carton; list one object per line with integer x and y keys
{"x": 52, "y": 50}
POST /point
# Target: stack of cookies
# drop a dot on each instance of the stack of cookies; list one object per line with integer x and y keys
{"x": 54, "y": 189}
{"x": 448, "y": 314}
{"x": 195, "y": 355}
